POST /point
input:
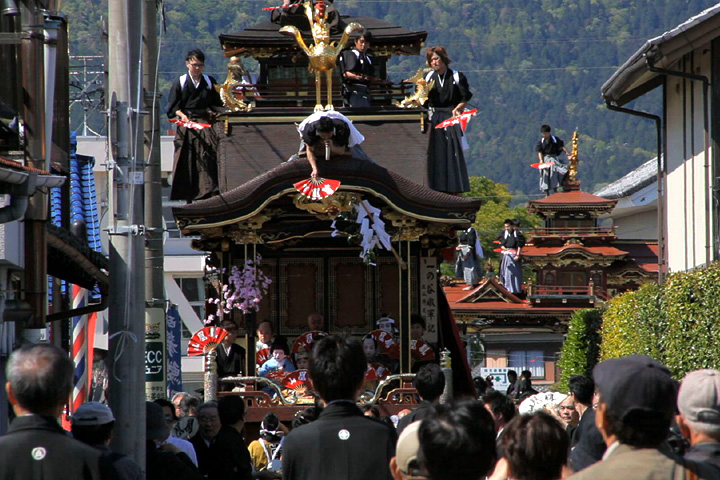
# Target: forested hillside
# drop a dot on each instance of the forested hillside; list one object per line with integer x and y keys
{"x": 529, "y": 62}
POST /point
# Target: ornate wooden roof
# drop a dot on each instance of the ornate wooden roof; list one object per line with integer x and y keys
{"x": 267, "y": 208}
{"x": 264, "y": 39}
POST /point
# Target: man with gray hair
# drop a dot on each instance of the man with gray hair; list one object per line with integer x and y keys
{"x": 40, "y": 379}
{"x": 699, "y": 419}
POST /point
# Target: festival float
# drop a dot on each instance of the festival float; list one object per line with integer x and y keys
{"x": 362, "y": 239}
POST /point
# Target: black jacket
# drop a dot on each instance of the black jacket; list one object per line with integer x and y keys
{"x": 36, "y": 447}
{"x": 230, "y": 365}
{"x": 227, "y": 457}
{"x": 423, "y": 410}
{"x": 341, "y": 444}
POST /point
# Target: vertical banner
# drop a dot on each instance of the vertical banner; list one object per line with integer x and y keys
{"x": 155, "y": 354}
{"x": 428, "y": 296}
{"x": 174, "y": 355}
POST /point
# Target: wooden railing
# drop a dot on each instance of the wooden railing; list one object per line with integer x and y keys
{"x": 296, "y": 93}
{"x": 572, "y": 231}
{"x": 567, "y": 291}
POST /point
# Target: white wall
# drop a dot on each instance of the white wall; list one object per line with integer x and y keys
{"x": 686, "y": 173}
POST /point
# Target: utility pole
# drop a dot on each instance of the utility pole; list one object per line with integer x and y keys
{"x": 33, "y": 112}
{"x": 127, "y": 255}
{"x": 156, "y": 351}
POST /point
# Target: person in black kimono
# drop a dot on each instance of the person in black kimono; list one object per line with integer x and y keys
{"x": 357, "y": 71}
{"x": 447, "y": 171}
{"x": 548, "y": 149}
{"x": 469, "y": 253}
{"x": 510, "y": 266}
{"x": 193, "y": 97}
{"x": 230, "y": 356}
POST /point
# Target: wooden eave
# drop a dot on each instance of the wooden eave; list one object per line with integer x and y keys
{"x": 264, "y": 39}
{"x": 271, "y": 195}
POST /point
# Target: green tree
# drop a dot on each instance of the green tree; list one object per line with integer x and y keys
{"x": 580, "y": 350}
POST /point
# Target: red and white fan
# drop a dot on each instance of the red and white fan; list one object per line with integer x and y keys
{"x": 306, "y": 340}
{"x": 421, "y": 351}
{"x": 262, "y": 356}
{"x": 297, "y": 380}
{"x": 193, "y": 125}
{"x": 542, "y": 165}
{"x": 388, "y": 345}
{"x": 317, "y": 188}
{"x": 461, "y": 119}
{"x": 282, "y": 7}
{"x": 375, "y": 371}
{"x": 206, "y": 340}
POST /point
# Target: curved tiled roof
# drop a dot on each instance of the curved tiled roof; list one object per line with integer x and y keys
{"x": 637, "y": 179}
{"x": 356, "y": 176}
{"x": 575, "y": 200}
{"x": 605, "y": 251}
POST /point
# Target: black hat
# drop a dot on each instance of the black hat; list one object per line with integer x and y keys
{"x": 636, "y": 386}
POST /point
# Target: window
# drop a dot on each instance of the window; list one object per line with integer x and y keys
{"x": 194, "y": 290}
{"x": 533, "y": 360}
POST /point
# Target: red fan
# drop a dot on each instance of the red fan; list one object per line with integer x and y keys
{"x": 387, "y": 342}
{"x": 375, "y": 371}
{"x": 497, "y": 241}
{"x": 461, "y": 119}
{"x": 541, "y": 165}
{"x": 305, "y": 340}
{"x": 193, "y": 125}
{"x": 498, "y": 250}
{"x": 296, "y": 379}
{"x": 262, "y": 356}
{"x": 317, "y": 188}
{"x": 206, "y": 340}
{"x": 267, "y": 9}
{"x": 421, "y": 351}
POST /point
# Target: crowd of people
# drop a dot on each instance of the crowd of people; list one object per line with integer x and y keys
{"x": 629, "y": 420}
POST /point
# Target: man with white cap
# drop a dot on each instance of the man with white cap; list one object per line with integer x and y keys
{"x": 699, "y": 419}
{"x": 405, "y": 464}
{"x": 93, "y": 423}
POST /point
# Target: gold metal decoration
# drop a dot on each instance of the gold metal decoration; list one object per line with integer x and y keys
{"x": 247, "y": 232}
{"x": 236, "y": 72}
{"x": 422, "y": 90}
{"x": 328, "y": 207}
{"x": 323, "y": 54}
{"x": 574, "y": 159}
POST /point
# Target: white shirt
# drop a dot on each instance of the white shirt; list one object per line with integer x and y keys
{"x": 184, "y": 446}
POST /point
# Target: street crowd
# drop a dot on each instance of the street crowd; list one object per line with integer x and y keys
{"x": 629, "y": 420}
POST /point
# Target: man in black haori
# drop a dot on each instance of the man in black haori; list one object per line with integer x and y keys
{"x": 447, "y": 171}
{"x": 193, "y": 97}
{"x": 358, "y": 71}
{"x": 548, "y": 149}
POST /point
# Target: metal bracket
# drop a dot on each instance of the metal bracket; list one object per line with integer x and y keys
{"x": 132, "y": 229}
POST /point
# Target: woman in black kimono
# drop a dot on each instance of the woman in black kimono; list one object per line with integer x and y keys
{"x": 447, "y": 171}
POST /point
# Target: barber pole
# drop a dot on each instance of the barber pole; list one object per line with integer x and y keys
{"x": 79, "y": 349}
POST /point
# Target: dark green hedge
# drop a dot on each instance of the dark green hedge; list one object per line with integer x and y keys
{"x": 581, "y": 347}
{"x": 676, "y": 323}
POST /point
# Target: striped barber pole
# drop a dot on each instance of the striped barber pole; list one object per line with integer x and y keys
{"x": 80, "y": 349}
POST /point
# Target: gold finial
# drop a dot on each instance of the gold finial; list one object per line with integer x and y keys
{"x": 574, "y": 159}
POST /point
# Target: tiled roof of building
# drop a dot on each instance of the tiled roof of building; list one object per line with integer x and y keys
{"x": 637, "y": 179}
